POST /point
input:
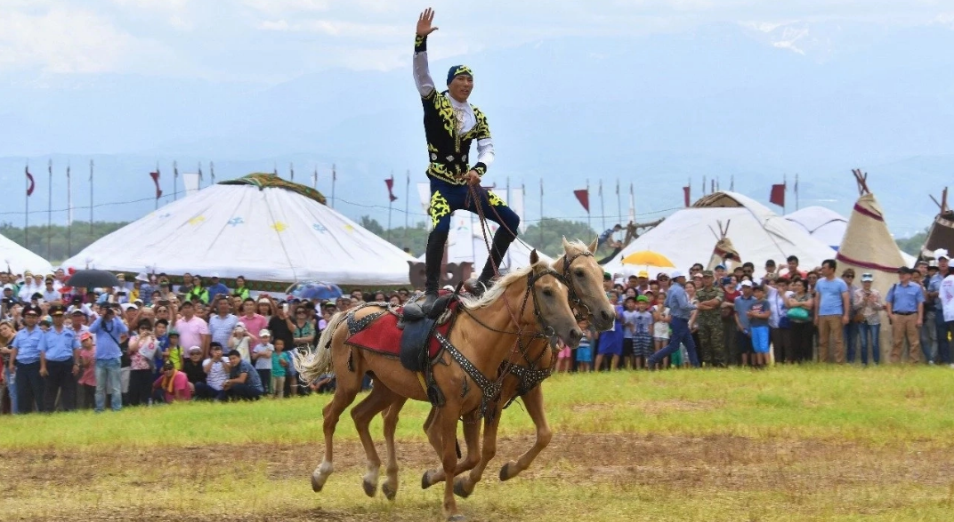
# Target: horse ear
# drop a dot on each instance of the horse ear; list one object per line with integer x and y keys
{"x": 566, "y": 244}
{"x": 594, "y": 245}
{"x": 534, "y": 257}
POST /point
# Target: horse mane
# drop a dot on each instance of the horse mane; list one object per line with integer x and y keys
{"x": 491, "y": 295}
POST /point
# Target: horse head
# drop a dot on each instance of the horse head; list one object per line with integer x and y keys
{"x": 551, "y": 303}
{"x": 584, "y": 277}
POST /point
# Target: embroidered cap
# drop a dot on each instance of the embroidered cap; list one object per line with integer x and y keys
{"x": 458, "y": 70}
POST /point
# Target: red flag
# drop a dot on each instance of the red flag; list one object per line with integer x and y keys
{"x": 777, "y": 196}
{"x": 155, "y": 179}
{"x": 30, "y": 183}
{"x": 685, "y": 195}
{"x": 390, "y": 183}
{"x": 583, "y": 196}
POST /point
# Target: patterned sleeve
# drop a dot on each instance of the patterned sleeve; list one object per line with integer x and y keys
{"x": 422, "y": 74}
{"x": 485, "y": 144}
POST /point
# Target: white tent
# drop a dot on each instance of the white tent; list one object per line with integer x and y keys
{"x": 758, "y": 234}
{"x": 465, "y": 243}
{"x": 260, "y": 227}
{"x": 18, "y": 259}
{"x": 823, "y": 224}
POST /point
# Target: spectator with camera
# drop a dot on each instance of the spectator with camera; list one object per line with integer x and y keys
{"x": 108, "y": 329}
{"x": 216, "y": 369}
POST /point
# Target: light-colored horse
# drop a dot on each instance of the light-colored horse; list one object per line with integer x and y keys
{"x": 724, "y": 252}
{"x": 529, "y": 367}
{"x": 533, "y": 301}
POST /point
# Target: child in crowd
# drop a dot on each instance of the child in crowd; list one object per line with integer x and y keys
{"x": 629, "y": 328}
{"x": 241, "y": 341}
{"x": 642, "y": 332}
{"x": 174, "y": 352}
{"x": 262, "y": 355}
{"x": 584, "y": 352}
{"x": 87, "y": 378}
{"x": 563, "y": 358}
{"x": 281, "y": 360}
{"x": 661, "y": 325}
{"x": 759, "y": 326}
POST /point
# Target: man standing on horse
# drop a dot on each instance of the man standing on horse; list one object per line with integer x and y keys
{"x": 451, "y": 124}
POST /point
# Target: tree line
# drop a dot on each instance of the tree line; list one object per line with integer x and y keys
{"x": 59, "y": 243}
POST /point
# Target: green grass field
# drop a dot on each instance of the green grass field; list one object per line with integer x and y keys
{"x": 816, "y": 443}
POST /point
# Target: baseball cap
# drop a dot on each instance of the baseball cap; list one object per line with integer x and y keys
{"x": 85, "y": 335}
{"x": 940, "y": 253}
{"x": 173, "y": 332}
{"x": 215, "y": 275}
{"x": 8, "y": 287}
{"x": 707, "y": 273}
{"x": 676, "y": 274}
{"x": 195, "y": 349}
{"x": 643, "y": 273}
{"x": 264, "y": 333}
{"x": 76, "y": 310}
{"x": 747, "y": 283}
{"x": 720, "y": 266}
{"x": 642, "y": 298}
{"x": 867, "y": 276}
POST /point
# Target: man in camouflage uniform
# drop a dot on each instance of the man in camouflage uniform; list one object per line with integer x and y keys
{"x": 711, "y": 347}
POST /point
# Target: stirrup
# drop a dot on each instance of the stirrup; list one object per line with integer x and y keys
{"x": 479, "y": 287}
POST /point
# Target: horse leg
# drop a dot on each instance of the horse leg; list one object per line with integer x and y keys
{"x": 533, "y": 402}
{"x": 362, "y": 414}
{"x": 390, "y": 486}
{"x": 465, "y": 485}
{"x": 448, "y": 423}
{"x": 345, "y": 393}
{"x": 471, "y": 439}
{"x": 432, "y": 429}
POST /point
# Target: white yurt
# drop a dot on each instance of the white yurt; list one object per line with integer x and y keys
{"x": 17, "y": 259}
{"x": 689, "y": 236}
{"x": 822, "y": 223}
{"x": 261, "y": 227}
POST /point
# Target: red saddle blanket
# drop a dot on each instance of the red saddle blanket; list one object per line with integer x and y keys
{"x": 383, "y": 335}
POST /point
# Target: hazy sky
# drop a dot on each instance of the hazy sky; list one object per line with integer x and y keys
{"x": 269, "y": 41}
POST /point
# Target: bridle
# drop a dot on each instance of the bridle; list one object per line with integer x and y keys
{"x": 575, "y": 299}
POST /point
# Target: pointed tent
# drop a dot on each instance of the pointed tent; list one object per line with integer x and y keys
{"x": 823, "y": 224}
{"x": 758, "y": 234}
{"x": 18, "y": 259}
{"x": 941, "y": 233}
{"x": 259, "y": 226}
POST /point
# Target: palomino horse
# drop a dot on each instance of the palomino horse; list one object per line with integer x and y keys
{"x": 724, "y": 251}
{"x": 525, "y": 371}
{"x": 475, "y": 348}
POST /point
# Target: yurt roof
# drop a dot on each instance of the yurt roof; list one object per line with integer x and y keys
{"x": 261, "y": 227}
{"x": 822, "y": 223}
{"x": 758, "y": 234}
{"x": 18, "y": 259}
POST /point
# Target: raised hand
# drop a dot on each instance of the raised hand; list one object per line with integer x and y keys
{"x": 424, "y": 22}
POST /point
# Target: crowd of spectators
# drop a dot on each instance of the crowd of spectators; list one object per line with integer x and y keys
{"x": 148, "y": 341}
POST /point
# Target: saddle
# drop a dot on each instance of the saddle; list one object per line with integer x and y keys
{"x": 418, "y": 327}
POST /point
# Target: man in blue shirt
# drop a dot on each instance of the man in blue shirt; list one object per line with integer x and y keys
{"x": 934, "y": 288}
{"x": 743, "y": 336}
{"x": 59, "y": 362}
{"x": 680, "y": 309}
{"x": 216, "y": 288}
{"x": 905, "y": 307}
{"x": 25, "y": 361}
{"x": 243, "y": 382}
{"x": 108, "y": 329}
{"x": 222, "y": 323}
{"x": 831, "y": 312}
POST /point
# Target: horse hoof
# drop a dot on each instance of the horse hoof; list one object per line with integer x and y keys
{"x": 426, "y": 480}
{"x": 459, "y": 489}
{"x": 505, "y": 473}
{"x": 389, "y": 493}
{"x": 316, "y": 484}
{"x": 370, "y": 488}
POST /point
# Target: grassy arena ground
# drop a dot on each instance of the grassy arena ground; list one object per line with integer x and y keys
{"x": 812, "y": 443}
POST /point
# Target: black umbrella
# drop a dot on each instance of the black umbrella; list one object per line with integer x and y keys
{"x": 92, "y": 279}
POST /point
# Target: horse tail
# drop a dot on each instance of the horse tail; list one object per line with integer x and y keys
{"x": 313, "y": 363}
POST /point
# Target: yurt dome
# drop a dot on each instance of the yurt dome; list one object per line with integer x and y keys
{"x": 18, "y": 259}
{"x": 261, "y": 227}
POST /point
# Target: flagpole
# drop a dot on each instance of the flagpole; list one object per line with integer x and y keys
{"x": 407, "y": 205}
{"x": 784, "y": 189}
{"x": 541, "y": 212}
{"x": 796, "y": 191}
{"x": 334, "y": 179}
{"x": 158, "y": 177}
{"x": 175, "y": 181}
{"x": 212, "y": 173}
{"x": 291, "y": 170}
{"x": 26, "y": 213}
{"x": 314, "y": 179}
{"x": 69, "y": 213}
{"x": 602, "y": 205}
{"x": 49, "y": 212}
{"x": 90, "y": 200}
{"x": 589, "y": 217}
{"x": 619, "y": 203}
{"x": 390, "y": 206}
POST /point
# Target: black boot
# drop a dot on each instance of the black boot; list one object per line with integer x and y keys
{"x": 432, "y": 265}
{"x": 498, "y": 249}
